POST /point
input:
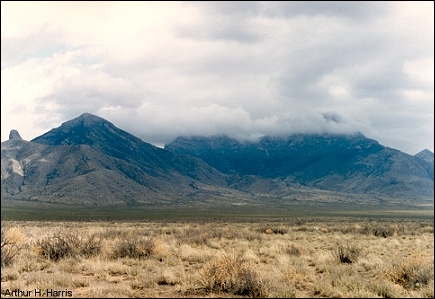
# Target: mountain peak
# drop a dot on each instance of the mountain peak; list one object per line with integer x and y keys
{"x": 426, "y": 155}
{"x": 99, "y": 134}
{"x": 86, "y": 119}
{"x": 425, "y": 151}
{"x": 14, "y": 135}
{"x": 84, "y": 129}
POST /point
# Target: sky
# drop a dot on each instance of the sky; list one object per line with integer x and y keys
{"x": 160, "y": 70}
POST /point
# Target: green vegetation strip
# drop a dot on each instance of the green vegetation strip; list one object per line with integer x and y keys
{"x": 152, "y": 213}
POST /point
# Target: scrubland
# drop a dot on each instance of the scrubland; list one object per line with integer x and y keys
{"x": 221, "y": 258}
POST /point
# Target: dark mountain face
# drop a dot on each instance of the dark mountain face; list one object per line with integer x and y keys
{"x": 349, "y": 163}
{"x": 103, "y": 136}
{"x": 312, "y": 156}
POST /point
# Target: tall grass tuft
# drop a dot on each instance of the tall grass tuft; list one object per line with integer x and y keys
{"x": 231, "y": 274}
{"x": 12, "y": 242}
{"x": 346, "y": 254}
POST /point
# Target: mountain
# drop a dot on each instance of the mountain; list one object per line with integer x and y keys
{"x": 88, "y": 160}
{"x": 104, "y": 137}
{"x": 342, "y": 163}
{"x": 426, "y": 155}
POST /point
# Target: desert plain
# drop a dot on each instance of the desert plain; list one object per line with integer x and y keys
{"x": 221, "y": 257}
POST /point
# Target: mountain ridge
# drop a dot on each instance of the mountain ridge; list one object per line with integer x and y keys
{"x": 89, "y": 161}
{"x": 336, "y": 162}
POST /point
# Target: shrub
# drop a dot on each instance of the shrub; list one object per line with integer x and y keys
{"x": 280, "y": 230}
{"x": 197, "y": 236}
{"x": 91, "y": 245}
{"x": 69, "y": 245}
{"x": 380, "y": 230}
{"x": 274, "y": 230}
{"x": 384, "y": 289}
{"x": 412, "y": 273}
{"x": 233, "y": 275}
{"x": 12, "y": 242}
{"x": 133, "y": 247}
{"x": 384, "y": 231}
{"x": 293, "y": 250}
{"x": 346, "y": 254}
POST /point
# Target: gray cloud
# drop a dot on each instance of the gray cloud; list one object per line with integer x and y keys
{"x": 245, "y": 69}
{"x": 359, "y": 11}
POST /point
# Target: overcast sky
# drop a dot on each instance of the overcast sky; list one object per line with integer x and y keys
{"x": 159, "y": 70}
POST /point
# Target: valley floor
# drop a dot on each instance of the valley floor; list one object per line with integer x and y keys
{"x": 335, "y": 257}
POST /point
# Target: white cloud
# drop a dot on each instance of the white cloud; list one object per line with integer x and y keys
{"x": 163, "y": 69}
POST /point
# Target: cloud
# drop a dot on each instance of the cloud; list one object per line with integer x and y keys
{"x": 246, "y": 69}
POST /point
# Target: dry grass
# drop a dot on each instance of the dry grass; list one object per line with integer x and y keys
{"x": 288, "y": 258}
{"x": 412, "y": 272}
{"x": 12, "y": 242}
{"x": 346, "y": 254}
{"x": 64, "y": 245}
{"x": 232, "y": 274}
